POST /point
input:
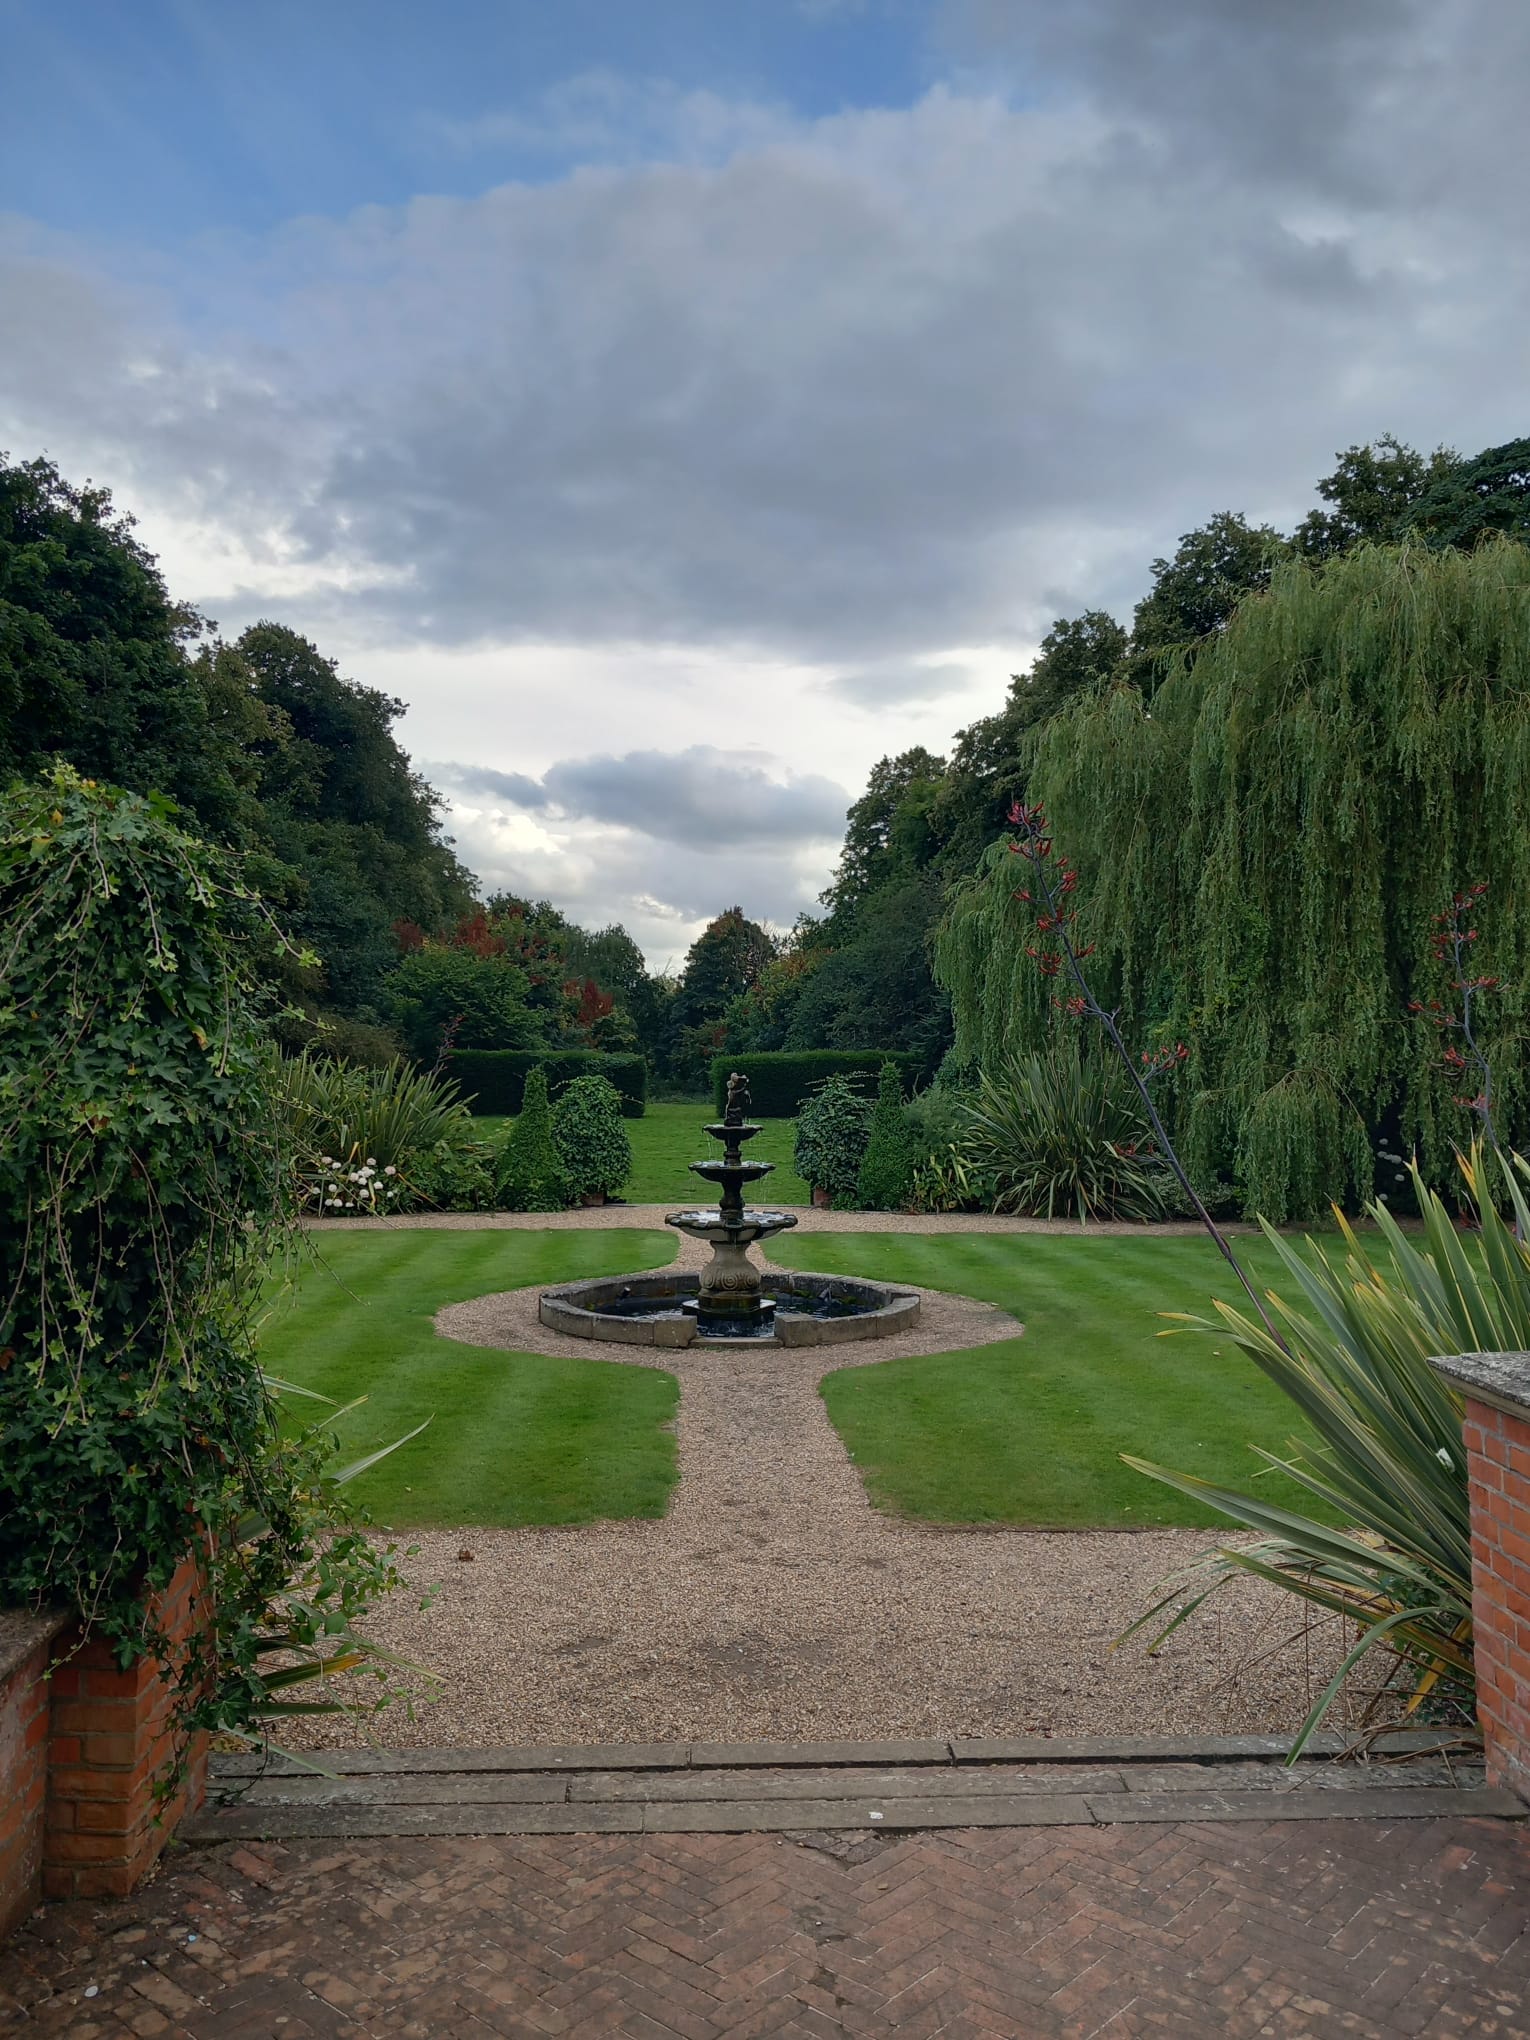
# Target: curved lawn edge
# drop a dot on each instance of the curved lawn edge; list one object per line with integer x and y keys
{"x": 515, "y": 1438}
{"x": 1027, "y": 1434}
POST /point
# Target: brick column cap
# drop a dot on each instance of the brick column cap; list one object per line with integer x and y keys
{"x": 22, "y": 1630}
{"x": 1501, "y": 1380}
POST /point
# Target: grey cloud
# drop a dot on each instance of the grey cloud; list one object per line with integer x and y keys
{"x": 514, "y": 787}
{"x": 894, "y": 683}
{"x": 1279, "y": 92}
{"x": 622, "y": 875}
{"x": 700, "y": 798}
{"x": 859, "y": 393}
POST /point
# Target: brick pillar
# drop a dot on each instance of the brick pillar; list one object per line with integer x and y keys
{"x": 1496, "y": 1437}
{"x": 112, "y": 1737}
{"x": 25, "y": 1651}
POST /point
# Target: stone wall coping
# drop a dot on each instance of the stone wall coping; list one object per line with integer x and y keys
{"x": 1501, "y": 1380}
{"x": 22, "y": 1630}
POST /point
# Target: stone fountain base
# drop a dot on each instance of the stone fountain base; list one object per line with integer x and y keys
{"x": 661, "y": 1310}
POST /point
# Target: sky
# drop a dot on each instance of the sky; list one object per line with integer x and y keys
{"x": 680, "y": 406}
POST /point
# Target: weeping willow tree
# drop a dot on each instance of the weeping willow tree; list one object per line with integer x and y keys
{"x": 1261, "y": 860}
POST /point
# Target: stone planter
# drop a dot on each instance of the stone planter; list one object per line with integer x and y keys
{"x": 593, "y": 1197}
{"x": 821, "y": 1200}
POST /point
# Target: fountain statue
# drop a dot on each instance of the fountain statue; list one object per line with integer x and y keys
{"x": 730, "y": 1297}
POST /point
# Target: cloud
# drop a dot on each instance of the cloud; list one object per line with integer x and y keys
{"x": 514, "y": 787}
{"x": 860, "y": 388}
{"x": 661, "y": 841}
{"x": 605, "y": 117}
{"x": 893, "y": 683}
{"x": 700, "y": 798}
{"x": 714, "y": 445}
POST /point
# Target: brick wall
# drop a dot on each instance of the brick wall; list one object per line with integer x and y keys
{"x": 82, "y": 1748}
{"x": 111, "y": 1737}
{"x": 1498, "y": 1453}
{"x": 1495, "y": 1433}
{"x": 26, "y": 1646}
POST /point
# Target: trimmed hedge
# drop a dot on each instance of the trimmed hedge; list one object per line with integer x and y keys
{"x": 493, "y": 1080}
{"x": 781, "y": 1079}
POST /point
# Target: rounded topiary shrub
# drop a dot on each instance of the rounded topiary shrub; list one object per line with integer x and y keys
{"x": 591, "y": 1141}
{"x": 531, "y": 1174}
{"x": 833, "y": 1128}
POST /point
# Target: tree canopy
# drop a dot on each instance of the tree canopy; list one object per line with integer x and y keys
{"x": 1263, "y": 853}
{"x": 269, "y": 750}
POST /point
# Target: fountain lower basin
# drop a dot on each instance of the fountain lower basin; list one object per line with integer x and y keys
{"x": 651, "y": 1310}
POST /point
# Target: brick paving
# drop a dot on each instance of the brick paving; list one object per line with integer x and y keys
{"x": 1326, "y": 1927}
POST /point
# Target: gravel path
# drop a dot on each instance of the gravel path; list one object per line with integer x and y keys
{"x": 772, "y": 1601}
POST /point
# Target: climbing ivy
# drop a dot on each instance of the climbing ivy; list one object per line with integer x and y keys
{"x": 143, "y": 1197}
{"x": 1262, "y": 856}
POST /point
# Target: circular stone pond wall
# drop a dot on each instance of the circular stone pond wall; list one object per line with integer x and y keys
{"x": 649, "y": 1310}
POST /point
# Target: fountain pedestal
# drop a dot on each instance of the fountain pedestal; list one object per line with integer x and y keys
{"x": 730, "y": 1291}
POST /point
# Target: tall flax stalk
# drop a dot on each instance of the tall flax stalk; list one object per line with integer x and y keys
{"x": 1262, "y": 853}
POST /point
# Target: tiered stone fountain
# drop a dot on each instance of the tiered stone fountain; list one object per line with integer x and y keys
{"x": 732, "y": 1299}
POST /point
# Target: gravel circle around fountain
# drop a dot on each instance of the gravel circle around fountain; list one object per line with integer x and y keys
{"x": 772, "y": 1601}
{"x": 947, "y": 1324}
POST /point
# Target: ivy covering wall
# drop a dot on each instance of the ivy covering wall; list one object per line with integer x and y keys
{"x": 1261, "y": 856}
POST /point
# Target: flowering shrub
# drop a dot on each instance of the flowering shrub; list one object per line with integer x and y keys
{"x": 368, "y": 1141}
{"x": 349, "y": 1185}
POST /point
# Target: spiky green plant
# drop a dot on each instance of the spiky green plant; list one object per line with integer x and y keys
{"x": 1060, "y": 1133}
{"x": 356, "y": 1132}
{"x": 1393, "y": 1550}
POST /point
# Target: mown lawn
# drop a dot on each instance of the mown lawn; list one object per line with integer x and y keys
{"x": 1029, "y": 1431}
{"x": 669, "y": 1137}
{"x": 514, "y": 1437}
{"x": 1024, "y": 1433}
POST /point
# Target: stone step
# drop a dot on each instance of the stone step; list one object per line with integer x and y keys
{"x": 1030, "y": 1749}
{"x": 664, "y": 1789}
{"x": 256, "y": 1820}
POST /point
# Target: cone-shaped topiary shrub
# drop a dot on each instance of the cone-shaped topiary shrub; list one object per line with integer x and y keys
{"x": 887, "y": 1167}
{"x": 591, "y": 1141}
{"x": 531, "y": 1175}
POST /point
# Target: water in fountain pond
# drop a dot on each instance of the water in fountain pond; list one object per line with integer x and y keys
{"x": 788, "y": 1304}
